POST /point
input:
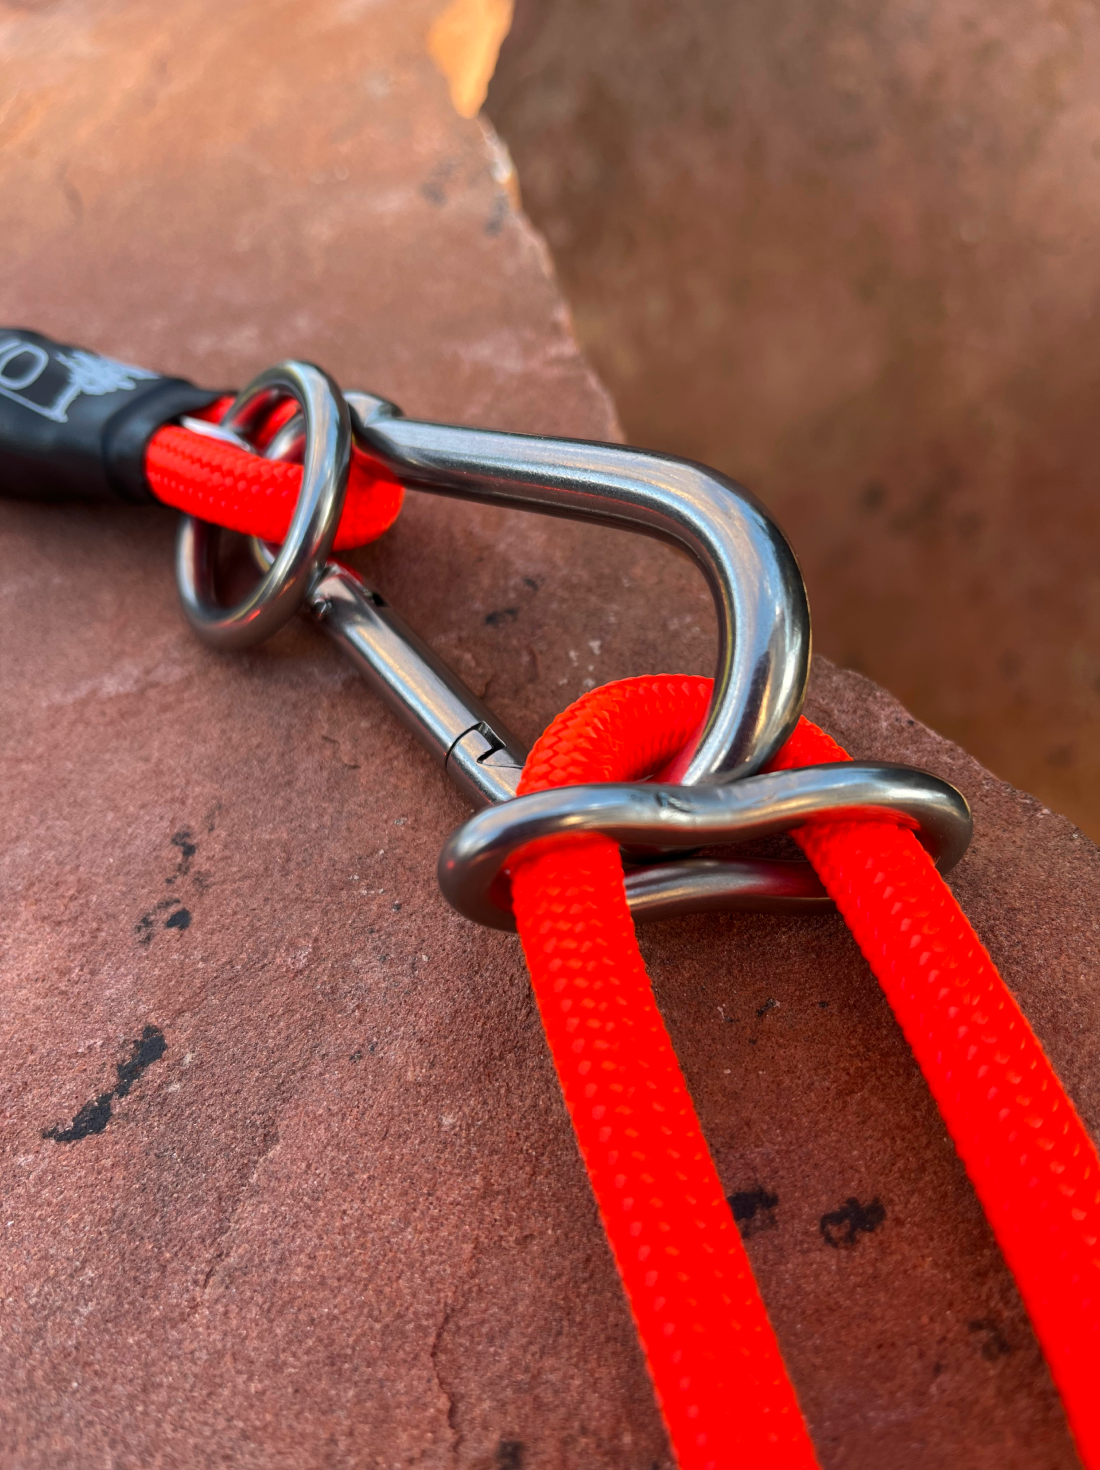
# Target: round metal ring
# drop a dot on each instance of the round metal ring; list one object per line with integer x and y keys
{"x": 326, "y": 460}
{"x": 677, "y": 818}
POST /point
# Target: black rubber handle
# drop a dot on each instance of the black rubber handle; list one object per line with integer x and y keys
{"x": 75, "y": 426}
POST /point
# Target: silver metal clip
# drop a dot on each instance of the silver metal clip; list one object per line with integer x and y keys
{"x": 760, "y": 680}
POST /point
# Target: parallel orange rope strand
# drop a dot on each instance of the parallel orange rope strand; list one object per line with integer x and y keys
{"x": 711, "y": 1351}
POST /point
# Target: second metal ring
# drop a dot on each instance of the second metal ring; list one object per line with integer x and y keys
{"x": 326, "y": 461}
{"x": 474, "y": 861}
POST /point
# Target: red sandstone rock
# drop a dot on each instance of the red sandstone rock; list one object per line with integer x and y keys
{"x": 311, "y": 1198}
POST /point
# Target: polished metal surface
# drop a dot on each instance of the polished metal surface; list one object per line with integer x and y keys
{"x": 481, "y": 756}
{"x": 759, "y": 596}
{"x": 289, "y": 442}
{"x": 677, "y": 818}
{"x": 283, "y": 588}
{"x": 759, "y": 684}
{"x": 716, "y": 885}
{"x": 206, "y": 430}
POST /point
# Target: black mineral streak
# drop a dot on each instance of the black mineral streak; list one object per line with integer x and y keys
{"x": 93, "y": 1117}
{"x": 184, "y": 843}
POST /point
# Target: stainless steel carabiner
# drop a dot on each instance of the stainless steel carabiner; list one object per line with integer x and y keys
{"x": 759, "y": 595}
{"x": 763, "y": 624}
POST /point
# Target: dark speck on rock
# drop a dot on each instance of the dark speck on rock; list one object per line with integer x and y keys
{"x": 187, "y": 846}
{"x": 996, "y": 1345}
{"x": 843, "y": 1227}
{"x": 753, "y": 1209}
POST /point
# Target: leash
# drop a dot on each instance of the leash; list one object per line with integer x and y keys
{"x": 564, "y": 847}
{"x": 710, "y": 1348}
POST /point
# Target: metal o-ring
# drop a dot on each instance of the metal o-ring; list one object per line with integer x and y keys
{"x": 473, "y": 864}
{"x": 282, "y": 590}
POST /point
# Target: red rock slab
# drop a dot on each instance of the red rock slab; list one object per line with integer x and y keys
{"x": 339, "y": 1219}
{"x": 846, "y": 253}
{"x": 210, "y": 189}
{"x": 285, "y": 1174}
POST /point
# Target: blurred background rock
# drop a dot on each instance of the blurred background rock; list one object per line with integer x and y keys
{"x": 848, "y": 253}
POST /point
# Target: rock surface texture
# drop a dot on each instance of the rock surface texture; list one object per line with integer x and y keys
{"x": 287, "y": 1182}
{"x": 846, "y": 252}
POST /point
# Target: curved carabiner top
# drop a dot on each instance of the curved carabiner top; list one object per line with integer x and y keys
{"x": 759, "y": 595}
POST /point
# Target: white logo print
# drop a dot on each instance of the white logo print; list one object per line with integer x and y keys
{"x": 22, "y": 365}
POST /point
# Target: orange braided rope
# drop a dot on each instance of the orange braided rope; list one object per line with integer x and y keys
{"x": 218, "y": 482}
{"x": 711, "y": 1352}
